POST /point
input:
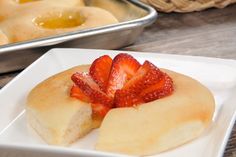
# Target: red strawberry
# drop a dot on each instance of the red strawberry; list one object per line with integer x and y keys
{"x": 91, "y": 89}
{"x": 123, "y": 68}
{"x": 123, "y": 98}
{"x": 148, "y": 84}
{"x": 161, "y": 89}
{"x": 100, "y": 70}
{"x": 77, "y": 93}
{"x": 147, "y": 75}
{"x": 100, "y": 110}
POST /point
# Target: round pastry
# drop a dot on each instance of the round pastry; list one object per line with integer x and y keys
{"x": 161, "y": 124}
{"x": 122, "y": 10}
{"x": 52, "y": 20}
{"x": 174, "y": 108}
{"x": 10, "y": 8}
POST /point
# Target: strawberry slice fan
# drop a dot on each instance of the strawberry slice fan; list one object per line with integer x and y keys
{"x": 121, "y": 82}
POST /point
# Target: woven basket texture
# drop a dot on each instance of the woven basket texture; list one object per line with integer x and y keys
{"x": 187, "y": 5}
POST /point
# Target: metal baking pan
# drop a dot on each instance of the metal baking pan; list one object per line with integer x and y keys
{"x": 133, "y": 16}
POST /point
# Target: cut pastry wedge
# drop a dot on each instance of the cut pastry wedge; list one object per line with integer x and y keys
{"x": 159, "y": 125}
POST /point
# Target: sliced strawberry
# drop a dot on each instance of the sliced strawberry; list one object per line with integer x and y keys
{"x": 91, "y": 89}
{"x": 100, "y": 70}
{"x": 77, "y": 93}
{"x": 148, "y": 84}
{"x": 99, "y": 110}
{"x": 123, "y": 68}
{"x": 159, "y": 90}
{"x": 125, "y": 99}
{"x": 147, "y": 75}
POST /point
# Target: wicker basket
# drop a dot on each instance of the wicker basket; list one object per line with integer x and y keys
{"x": 187, "y": 5}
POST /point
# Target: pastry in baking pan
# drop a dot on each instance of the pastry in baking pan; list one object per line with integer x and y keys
{"x": 10, "y": 8}
{"x": 27, "y": 20}
{"x": 52, "y": 20}
{"x": 3, "y": 38}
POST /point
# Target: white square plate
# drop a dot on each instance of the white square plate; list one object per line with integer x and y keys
{"x": 18, "y": 139}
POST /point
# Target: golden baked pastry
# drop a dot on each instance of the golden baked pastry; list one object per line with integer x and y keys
{"x": 9, "y": 8}
{"x": 174, "y": 108}
{"x": 58, "y": 118}
{"x": 161, "y": 124}
{"x": 43, "y": 18}
{"x": 3, "y": 38}
{"x": 122, "y": 10}
{"x": 45, "y": 23}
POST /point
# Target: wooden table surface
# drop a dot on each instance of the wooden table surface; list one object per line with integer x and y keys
{"x": 207, "y": 33}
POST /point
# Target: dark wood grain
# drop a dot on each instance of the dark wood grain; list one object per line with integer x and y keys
{"x": 5, "y": 78}
{"x": 207, "y": 33}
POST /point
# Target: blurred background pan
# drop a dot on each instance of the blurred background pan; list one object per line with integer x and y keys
{"x": 133, "y": 17}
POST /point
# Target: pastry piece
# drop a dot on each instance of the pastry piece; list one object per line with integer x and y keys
{"x": 122, "y": 10}
{"x": 9, "y": 8}
{"x": 3, "y": 38}
{"x": 54, "y": 20}
{"x": 161, "y": 124}
{"x": 56, "y": 116}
